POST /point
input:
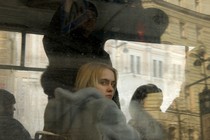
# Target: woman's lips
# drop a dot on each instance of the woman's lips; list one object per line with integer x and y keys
{"x": 109, "y": 96}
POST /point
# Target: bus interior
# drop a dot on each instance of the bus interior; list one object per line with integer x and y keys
{"x": 164, "y": 42}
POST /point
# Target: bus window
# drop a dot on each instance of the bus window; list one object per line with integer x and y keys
{"x": 10, "y": 48}
{"x": 24, "y": 84}
{"x": 35, "y": 54}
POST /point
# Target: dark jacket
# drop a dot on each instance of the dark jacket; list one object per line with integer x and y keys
{"x": 11, "y": 129}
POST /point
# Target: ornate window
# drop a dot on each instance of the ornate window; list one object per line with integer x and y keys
{"x": 198, "y": 33}
{"x": 183, "y": 30}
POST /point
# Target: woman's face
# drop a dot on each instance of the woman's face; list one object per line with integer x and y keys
{"x": 107, "y": 83}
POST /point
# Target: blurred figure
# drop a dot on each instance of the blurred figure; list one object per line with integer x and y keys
{"x": 68, "y": 50}
{"x": 141, "y": 120}
{"x": 10, "y": 128}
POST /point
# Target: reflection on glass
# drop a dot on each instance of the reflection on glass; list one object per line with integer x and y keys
{"x": 30, "y": 99}
{"x": 179, "y": 76}
{"x": 160, "y": 64}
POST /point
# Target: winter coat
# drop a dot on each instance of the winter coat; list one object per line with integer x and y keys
{"x": 86, "y": 115}
{"x": 12, "y": 129}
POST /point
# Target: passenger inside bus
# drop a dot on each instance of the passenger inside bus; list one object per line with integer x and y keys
{"x": 145, "y": 99}
{"x": 10, "y": 128}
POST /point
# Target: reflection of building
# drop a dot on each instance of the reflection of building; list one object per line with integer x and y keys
{"x": 143, "y": 63}
{"x": 189, "y": 25}
{"x": 202, "y": 61}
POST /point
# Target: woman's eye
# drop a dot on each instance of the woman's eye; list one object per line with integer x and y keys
{"x": 104, "y": 82}
{"x": 114, "y": 85}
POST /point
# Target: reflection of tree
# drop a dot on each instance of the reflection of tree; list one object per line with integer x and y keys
{"x": 204, "y": 97}
{"x": 185, "y": 125}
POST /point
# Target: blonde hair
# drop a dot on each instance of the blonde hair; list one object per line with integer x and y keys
{"x": 89, "y": 73}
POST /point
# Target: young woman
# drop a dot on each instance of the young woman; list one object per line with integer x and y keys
{"x": 89, "y": 113}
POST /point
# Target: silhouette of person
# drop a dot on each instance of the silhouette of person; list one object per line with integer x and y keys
{"x": 67, "y": 52}
{"x": 141, "y": 120}
{"x": 10, "y": 128}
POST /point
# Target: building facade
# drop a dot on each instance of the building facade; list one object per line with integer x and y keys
{"x": 189, "y": 25}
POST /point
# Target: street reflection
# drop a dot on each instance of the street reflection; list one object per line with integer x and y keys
{"x": 142, "y": 63}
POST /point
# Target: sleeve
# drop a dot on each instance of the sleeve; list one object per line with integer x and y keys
{"x": 112, "y": 124}
{"x": 145, "y": 124}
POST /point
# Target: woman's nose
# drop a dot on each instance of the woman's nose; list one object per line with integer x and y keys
{"x": 110, "y": 88}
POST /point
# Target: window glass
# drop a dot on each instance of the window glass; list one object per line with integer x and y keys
{"x": 10, "y": 47}
{"x": 25, "y": 85}
{"x": 35, "y": 54}
{"x": 161, "y": 42}
{"x": 30, "y": 100}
